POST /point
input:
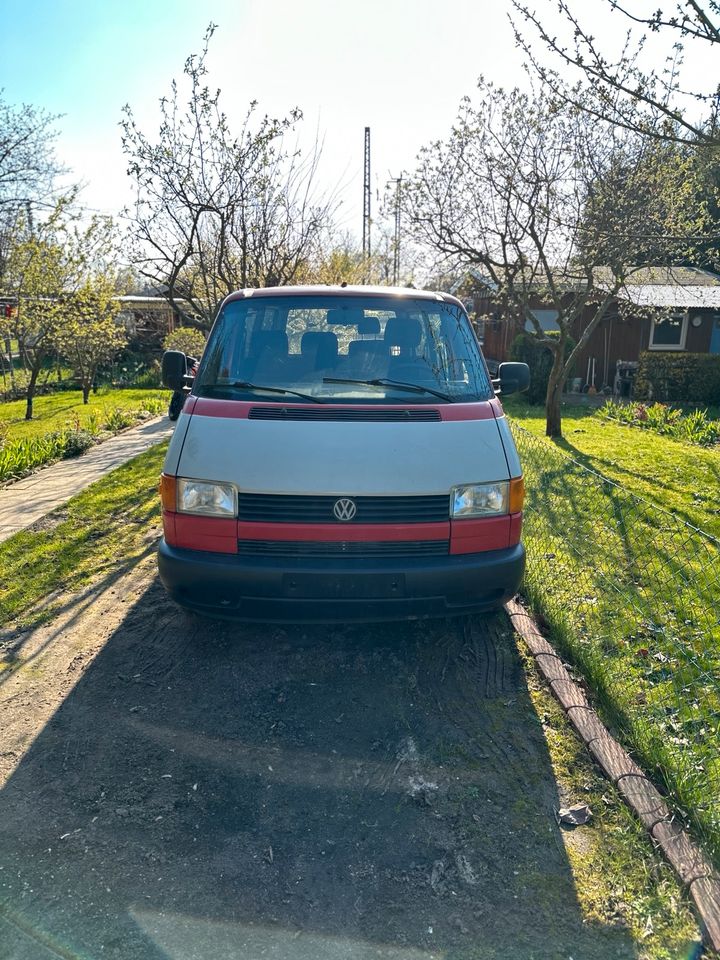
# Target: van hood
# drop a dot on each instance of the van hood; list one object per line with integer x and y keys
{"x": 336, "y": 459}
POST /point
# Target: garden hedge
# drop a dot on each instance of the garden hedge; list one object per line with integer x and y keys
{"x": 678, "y": 377}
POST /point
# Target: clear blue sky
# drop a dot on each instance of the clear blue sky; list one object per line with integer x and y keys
{"x": 399, "y": 66}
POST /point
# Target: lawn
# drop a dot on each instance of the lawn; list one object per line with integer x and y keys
{"x": 679, "y": 476}
{"x": 99, "y": 532}
{"x": 64, "y": 427}
{"x": 55, "y": 411}
{"x": 630, "y": 592}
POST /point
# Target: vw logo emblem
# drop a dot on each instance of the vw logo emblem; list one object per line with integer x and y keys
{"x": 344, "y": 509}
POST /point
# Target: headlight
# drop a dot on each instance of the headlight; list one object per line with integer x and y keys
{"x": 206, "y": 498}
{"x": 479, "y": 500}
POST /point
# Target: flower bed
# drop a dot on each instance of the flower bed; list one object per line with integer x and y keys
{"x": 695, "y": 427}
{"x": 21, "y": 455}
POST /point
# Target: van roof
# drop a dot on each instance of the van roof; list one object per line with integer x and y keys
{"x": 346, "y": 291}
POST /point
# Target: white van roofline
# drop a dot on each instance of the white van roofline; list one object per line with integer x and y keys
{"x": 344, "y": 291}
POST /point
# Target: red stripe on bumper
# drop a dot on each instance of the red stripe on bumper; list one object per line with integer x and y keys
{"x": 343, "y": 532}
{"x": 486, "y": 533}
{"x": 201, "y": 533}
{"x": 221, "y": 536}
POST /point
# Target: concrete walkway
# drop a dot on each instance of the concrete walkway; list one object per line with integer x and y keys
{"x": 24, "y": 502}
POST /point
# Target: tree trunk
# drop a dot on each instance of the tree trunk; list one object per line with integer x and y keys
{"x": 31, "y": 393}
{"x": 86, "y": 391}
{"x": 553, "y": 398}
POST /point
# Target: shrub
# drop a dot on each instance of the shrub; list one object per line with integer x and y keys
{"x": 187, "y": 339}
{"x": 673, "y": 377}
{"x": 526, "y": 349}
{"x": 77, "y": 441}
{"x": 149, "y": 377}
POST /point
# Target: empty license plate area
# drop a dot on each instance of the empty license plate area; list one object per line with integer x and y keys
{"x": 372, "y": 586}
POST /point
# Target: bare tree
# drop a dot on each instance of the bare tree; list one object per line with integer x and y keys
{"x": 620, "y": 89}
{"x": 28, "y": 166}
{"x": 557, "y": 211}
{"x": 28, "y": 169}
{"x": 217, "y": 211}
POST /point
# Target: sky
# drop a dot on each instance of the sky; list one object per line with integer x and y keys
{"x": 397, "y": 66}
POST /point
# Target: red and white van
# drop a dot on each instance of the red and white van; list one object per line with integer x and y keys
{"x": 341, "y": 456}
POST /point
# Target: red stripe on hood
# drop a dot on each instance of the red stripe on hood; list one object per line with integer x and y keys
{"x": 239, "y": 409}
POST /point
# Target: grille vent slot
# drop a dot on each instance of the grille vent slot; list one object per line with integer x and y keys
{"x": 313, "y": 548}
{"x": 345, "y": 414}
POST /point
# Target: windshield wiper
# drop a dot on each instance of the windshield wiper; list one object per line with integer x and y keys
{"x": 246, "y": 385}
{"x": 384, "y": 382}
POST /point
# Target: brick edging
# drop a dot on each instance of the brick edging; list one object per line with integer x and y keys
{"x": 687, "y": 859}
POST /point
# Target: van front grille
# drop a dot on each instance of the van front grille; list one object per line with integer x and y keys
{"x": 352, "y": 548}
{"x": 276, "y": 508}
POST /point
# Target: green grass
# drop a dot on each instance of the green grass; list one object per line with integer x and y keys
{"x": 680, "y": 477}
{"x": 54, "y": 411}
{"x": 97, "y": 533}
{"x": 620, "y": 879}
{"x": 65, "y": 427}
{"x": 631, "y": 593}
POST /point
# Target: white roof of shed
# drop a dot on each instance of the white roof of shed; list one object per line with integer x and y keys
{"x": 672, "y": 295}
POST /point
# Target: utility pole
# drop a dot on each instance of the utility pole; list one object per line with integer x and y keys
{"x": 396, "y": 245}
{"x": 366, "y": 204}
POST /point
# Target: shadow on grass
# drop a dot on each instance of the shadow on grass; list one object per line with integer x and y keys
{"x": 214, "y": 790}
{"x": 13, "y": 640}
{"x": 631, "y": 593}
{"x": 597, "y": 463}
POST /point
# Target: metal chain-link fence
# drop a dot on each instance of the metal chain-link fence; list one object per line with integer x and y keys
{"x": 631, "y": 595}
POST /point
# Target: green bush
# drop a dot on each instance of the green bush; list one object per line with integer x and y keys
{"x": 187, "y": 339}
{"x": 77, "y": 441}
{"x": 678, "y": 377}
{"x": 526, "y": 349}
{"x": 149, "y": 377}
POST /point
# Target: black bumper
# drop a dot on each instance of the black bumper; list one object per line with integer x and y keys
{"x": 312, "y": 590}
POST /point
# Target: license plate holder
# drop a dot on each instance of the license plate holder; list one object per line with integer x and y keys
{"x": 344, "y": 586}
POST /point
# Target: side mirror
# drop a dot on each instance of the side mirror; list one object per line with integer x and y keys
{"x": 514, "y": 378}
{"x": 174, "y": 367}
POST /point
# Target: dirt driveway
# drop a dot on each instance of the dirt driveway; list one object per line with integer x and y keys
{"x": 180, "y": 790}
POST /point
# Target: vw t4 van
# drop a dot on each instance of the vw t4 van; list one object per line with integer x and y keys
{"x": 342, "y": 455}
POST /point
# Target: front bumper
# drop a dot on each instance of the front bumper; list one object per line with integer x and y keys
{"x": 315, "y": 590}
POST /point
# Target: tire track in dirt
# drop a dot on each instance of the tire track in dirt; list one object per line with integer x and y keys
{"x": 200, "y": 789}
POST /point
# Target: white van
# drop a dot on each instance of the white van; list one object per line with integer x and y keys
{"x": 342, "y": 455}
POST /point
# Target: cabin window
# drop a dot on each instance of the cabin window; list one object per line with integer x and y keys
{"x": 546, "y": 318}
{"x": 668, "y": 332}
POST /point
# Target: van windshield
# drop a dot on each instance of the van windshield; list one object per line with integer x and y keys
{"x": 348, "y": 349}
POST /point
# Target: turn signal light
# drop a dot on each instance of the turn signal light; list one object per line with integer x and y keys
{"x": 168, "y": 492}
{"x": 517, "y": 494}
